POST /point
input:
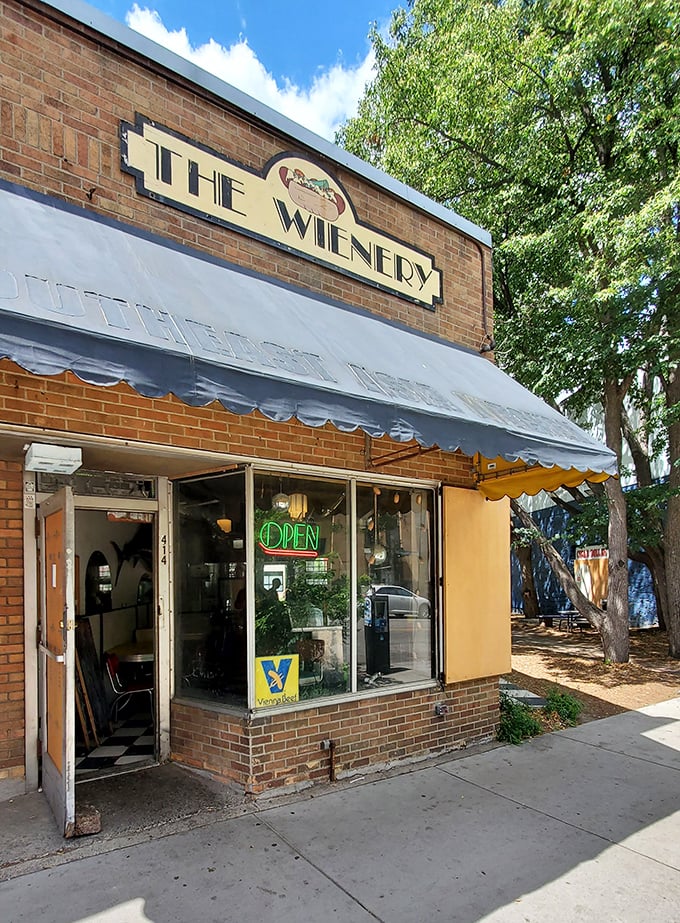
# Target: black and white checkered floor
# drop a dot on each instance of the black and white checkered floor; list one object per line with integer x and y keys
{"x": 132, "y": 742}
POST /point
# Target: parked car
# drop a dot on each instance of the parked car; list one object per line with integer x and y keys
{"x": 402, "y": 603}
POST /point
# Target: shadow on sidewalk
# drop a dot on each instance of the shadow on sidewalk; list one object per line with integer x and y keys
{"x": 134, "y": 807}
{"x": 576, "y": 825}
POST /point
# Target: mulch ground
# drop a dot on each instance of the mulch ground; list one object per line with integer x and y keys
{"x": 572, "y": 661}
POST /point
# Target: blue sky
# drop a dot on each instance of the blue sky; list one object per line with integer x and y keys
{"x": 299, "y": 57}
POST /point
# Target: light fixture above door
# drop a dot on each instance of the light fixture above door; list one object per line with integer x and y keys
{"x": 57, "y": 459}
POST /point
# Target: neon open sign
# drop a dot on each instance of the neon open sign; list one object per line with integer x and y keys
{"x": 292, "y": 539}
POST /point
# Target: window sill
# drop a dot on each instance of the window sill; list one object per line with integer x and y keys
{"x": 321, "y": 702}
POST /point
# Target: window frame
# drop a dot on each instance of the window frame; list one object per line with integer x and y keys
{"x": 352, "y": 478}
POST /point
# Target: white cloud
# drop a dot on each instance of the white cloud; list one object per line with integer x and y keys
{"x": 331, "y": 98}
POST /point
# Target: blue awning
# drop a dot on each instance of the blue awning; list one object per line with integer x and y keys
{"x": 111, "y": 303}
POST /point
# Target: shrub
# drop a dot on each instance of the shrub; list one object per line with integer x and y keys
{"x": 565, "y": 706}
{"x": 517, "y": 721}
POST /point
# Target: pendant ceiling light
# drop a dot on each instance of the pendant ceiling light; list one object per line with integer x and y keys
{"x": 297, "y": 507}
{"x": 280, "y": 502}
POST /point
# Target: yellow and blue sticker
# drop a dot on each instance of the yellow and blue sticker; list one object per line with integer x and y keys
{"x": 277, "y": 680}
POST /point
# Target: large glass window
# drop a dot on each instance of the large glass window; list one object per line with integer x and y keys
{"x": 396, "y": 585}
{"x": 210, "y": 575}
{"x": 323, "y": 622}
{"x": 302, "y": 581}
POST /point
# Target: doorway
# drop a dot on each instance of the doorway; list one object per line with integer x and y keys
{"x": 103, "y": 570}
{"x": 115, "y": 642}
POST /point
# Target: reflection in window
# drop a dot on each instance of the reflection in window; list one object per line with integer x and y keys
{"x": 302, "y": 578}
{"x": 302, "y": 574}
{"x": 210, "y": 647}
{"x": 396, "y": 591}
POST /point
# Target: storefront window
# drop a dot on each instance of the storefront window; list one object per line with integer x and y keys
{"x": 210, "y": 573}
{"x": 308, "y": 639}
{"x": 396, "y": 592}
{"x": 302, "y": 580}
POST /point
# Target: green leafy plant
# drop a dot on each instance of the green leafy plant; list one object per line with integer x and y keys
{"x": 565, "y": 706}
{"x": 323, "y": 591}
{"x": 517, "y": 721}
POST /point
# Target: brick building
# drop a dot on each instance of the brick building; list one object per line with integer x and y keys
{"x": 248, "y": 429}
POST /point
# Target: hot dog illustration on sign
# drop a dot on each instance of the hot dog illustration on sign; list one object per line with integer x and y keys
{"x": 314, "y": 195}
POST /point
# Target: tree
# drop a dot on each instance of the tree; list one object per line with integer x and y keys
{"x": 555, "y": 125}
{"x": 595, "y": 615}
{"x": 521, "y": 545}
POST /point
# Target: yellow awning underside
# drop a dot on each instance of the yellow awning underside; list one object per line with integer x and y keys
{"x": 498, "y": 478}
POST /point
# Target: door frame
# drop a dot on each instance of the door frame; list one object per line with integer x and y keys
{"x": 58, "y": 773}
{"x": 160, "y": 507}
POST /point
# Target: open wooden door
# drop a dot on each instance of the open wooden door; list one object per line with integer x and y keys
{"x": 57, "y": 659}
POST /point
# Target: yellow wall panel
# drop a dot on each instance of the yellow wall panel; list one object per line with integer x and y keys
{"x": 476, "y": 585}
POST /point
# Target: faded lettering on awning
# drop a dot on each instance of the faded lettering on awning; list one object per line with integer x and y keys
{"x": 111, "y": 303}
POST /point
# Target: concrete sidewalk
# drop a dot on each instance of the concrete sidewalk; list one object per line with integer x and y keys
{"x": 579, "y": 825}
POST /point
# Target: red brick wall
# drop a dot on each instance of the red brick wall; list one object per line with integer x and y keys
{"x": 209, "y": 739}
{"x": 63, "y": 94}
{"x": 11, "y": 624}
{"x": 64, "y": 402}
{"x": 283, "y": 751}
{"x": 212, "y": 740}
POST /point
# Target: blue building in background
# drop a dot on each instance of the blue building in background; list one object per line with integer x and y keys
{"x": 551, "y": 597}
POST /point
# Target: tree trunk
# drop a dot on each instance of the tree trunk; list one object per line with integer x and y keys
{"x": 643, "y": 468}
{"x": 657, "y": 567}
{"x": 529, "y": 597}
{"x": 616, "y": 629}
{"x": 615, "y": 626}
{"x": 654, "y": 559}
{"x": 672, "y": 531}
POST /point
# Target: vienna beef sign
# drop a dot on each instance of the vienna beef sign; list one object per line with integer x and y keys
{"x": 293, "y": 204}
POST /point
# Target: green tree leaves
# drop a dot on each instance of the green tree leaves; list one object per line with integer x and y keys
{"x": 556, "y": 125}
